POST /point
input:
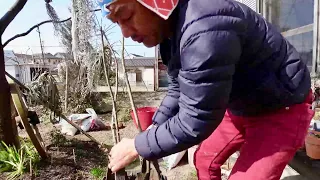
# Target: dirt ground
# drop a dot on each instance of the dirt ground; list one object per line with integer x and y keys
{"x": 76, "y": 157}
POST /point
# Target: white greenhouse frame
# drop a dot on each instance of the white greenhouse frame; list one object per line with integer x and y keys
{"x": 315, "y": 27}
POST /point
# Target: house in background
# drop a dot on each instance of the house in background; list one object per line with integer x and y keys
{"x": 141, "y": 74}
{"x": 47, "y": 59}
{"x": 27, "y": 68}
{"x": 12, "y": 64}
{"x": 140, "y": 71}
{"x": 63, "y": 56}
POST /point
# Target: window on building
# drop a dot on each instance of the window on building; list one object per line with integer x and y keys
{"x": 294, "y": 18}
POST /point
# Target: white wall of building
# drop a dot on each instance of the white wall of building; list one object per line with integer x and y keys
{"x": 25, "y": 74}
{"x": 148, "y": 76}
{"x": 13, "y": 70}
{"x": 132, "y": 77}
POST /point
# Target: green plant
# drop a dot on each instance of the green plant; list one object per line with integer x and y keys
{"x": 12, "y": 160}
{"x": 30, "y": 152}
{"x": 17, "y": 161}
{"x": 192, "y": 175}
{"x": 98, "y": 173}
{"x": 124, "y": 114}
{"x": 58, "y": 139}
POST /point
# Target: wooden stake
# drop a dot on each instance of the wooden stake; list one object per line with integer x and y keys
{"x": 114, "y": 114}
{"x": 121, "y": 174}
{"x": 30, "y": 169}
{"x": 145, "y": 164}
{"x": 113, "y": 119}
{"x": 74, "y": 156}
{"x": 66, "y": 88}
{"x": 133, "y": 107}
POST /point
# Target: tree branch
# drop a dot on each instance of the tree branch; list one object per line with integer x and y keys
{"x": 11, "y": 14}
{"x": 31, "y": 29}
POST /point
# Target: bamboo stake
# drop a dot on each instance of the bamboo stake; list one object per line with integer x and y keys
{"x": 113, "y": 121}
{"x": 145, "y": 164}
{"x": 129, "y": 88}
{"x": 117, "y": 78}
{"x": 121, "y": 174}
{"x": 66, "y": 89}
{"x": 114, "y": 114}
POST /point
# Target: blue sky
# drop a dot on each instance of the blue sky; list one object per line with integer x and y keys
{"x": 35, "y": 12}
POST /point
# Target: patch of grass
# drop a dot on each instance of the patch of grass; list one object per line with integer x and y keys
{"x": 163, "y": 164}
{"x": 18, "y": 161}
{"x": 59, "y": 139}
{"x": 124, "y": 114}
{"x": 192, "y": 175}
{"x": 98, "y": 172}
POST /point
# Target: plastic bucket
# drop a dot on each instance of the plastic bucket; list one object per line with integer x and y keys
{"x": 313, "y": 145}
{"x": 145, "y": 115}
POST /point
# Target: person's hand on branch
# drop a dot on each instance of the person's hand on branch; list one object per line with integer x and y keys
{"x": 122, "y": 154}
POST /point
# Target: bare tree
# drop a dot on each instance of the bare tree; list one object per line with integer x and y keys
{"x": 6, "y": 123}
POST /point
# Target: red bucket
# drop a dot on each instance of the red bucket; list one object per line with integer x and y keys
{"x": 145, "y": 115}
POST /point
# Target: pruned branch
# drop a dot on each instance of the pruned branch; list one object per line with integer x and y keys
{"x": 35, "y": 26}
{"x": 31, "y": 29}
{"x": 11, "y": 14}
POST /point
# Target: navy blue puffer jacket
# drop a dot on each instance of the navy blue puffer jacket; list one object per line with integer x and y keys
{"x": 223, "y": 55}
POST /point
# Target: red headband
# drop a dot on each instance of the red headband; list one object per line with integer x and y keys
{"x": 163, "y": 8}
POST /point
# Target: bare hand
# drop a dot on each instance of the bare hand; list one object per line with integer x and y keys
{"x": 122, "y": 154}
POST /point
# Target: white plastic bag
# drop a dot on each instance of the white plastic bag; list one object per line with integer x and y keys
{"x": 67, "y": 128}
{"x": 86, "y": 122}
{"x": 174, "y": 159}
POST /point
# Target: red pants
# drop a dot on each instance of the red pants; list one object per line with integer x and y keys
{"x": 266, "y": 143}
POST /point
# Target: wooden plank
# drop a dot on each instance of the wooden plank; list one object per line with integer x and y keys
{"x": 23, "y": 113}
{"x": 297, "y": 31}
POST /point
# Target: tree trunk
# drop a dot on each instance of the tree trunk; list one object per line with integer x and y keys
{"x": 7, "y": 125}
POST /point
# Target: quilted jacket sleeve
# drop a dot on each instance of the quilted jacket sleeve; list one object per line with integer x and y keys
{"x": 208, "y": 59}
{"x": 169, "y": 106}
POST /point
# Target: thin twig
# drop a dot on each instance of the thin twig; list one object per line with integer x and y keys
{"x": 31, "y": 29}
